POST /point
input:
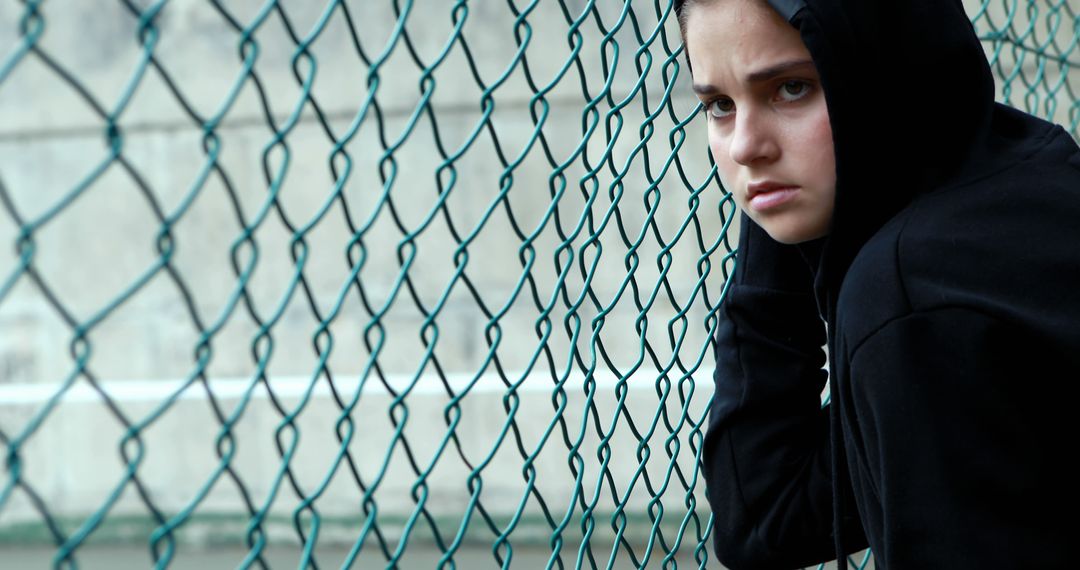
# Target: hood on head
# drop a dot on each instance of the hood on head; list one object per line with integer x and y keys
{"x": 909, "y": 94}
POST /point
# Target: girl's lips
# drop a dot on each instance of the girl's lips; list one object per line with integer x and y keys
{"x": 763, "y": 201}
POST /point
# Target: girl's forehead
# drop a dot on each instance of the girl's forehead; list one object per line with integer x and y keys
{"x": 738, "y": 40}
{"x": 741, "y": 12}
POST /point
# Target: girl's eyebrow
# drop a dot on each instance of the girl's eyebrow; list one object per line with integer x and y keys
{"x": 760, "y": 75}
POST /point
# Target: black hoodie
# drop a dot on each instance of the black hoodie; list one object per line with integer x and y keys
{"x": 950, "y": 284}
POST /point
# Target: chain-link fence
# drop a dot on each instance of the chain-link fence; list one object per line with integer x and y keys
{"x": 390, "y": 283}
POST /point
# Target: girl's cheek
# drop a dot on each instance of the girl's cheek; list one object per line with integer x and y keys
{"x": 718, "y": 151}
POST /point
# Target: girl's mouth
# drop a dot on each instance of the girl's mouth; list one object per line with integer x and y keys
{"x": 767, "y": 200}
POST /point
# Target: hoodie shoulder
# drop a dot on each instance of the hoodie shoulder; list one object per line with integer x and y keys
{"x": 1000, "y": 238}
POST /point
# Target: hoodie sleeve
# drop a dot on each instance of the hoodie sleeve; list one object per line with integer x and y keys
{"x": 767, "y": 448}
{"x": 969, "y": 431}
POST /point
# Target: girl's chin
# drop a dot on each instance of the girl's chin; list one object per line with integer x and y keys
{"x": 789, "y": 235}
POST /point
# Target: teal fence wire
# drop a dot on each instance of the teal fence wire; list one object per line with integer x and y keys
{"x": 372, "y": 284}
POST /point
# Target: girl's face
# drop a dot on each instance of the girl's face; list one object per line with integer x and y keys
{"x": 767, "y": 121}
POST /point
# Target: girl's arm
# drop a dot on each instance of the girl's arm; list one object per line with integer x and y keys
{"x": 767, "y": 449}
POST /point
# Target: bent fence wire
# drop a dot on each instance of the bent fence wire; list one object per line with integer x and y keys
{"x": 403, "y": 284}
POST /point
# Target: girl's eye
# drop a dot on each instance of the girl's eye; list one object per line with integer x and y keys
{"x": 794, "y": 89}
{"x": 791, "y": 90}
{"x": 720, "y": 108}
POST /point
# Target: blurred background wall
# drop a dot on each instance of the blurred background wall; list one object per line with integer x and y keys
{"x": 374, "y": 270}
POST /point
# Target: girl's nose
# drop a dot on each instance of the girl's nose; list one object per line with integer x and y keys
{"x": 753, "y": 140}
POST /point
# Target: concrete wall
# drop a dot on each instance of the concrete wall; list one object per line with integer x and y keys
{"x": 143, "y": 350}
